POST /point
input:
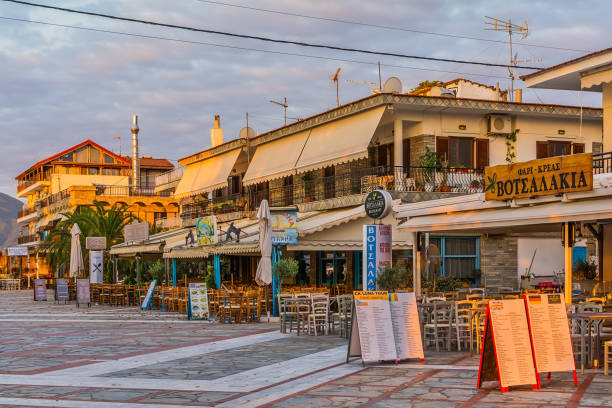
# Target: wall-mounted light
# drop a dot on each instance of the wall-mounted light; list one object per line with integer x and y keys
{"x": 561, "y": 131}
{"x": 462, "y": 127}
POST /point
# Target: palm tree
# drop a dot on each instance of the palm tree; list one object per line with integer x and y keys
{"x": 57, "y": 243}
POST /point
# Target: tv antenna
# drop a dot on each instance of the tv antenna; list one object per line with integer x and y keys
{"x": 374, "y": 86}
{"x": 118, "y": 137}
{"x": 284, "y": 105}
{"x": 496, "y": 24}
{"x": 334, "y": 78}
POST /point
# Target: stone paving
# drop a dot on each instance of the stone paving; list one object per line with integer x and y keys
{"x": 101, "y": 357}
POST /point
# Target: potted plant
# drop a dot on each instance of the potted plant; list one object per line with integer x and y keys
{"x": 286, "y": 268}
{"x": 430, "y": 162}
{"x": 393, "y": 278}
{"x": 585, "y": 270}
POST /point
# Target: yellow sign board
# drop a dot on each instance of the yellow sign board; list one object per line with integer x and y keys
{"x": 553, "y": 175}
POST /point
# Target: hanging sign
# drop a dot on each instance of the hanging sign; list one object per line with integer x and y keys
{"x": 378, "y": 204}
{"x": 376, "y": 252}
{"x": 550, "y": 334}
{"x": 83, "y": 292}
{"x": 146, "y": 302}
{"x": 95, "y": 243}
{"x": 553, "y": 175}
{"x": 507, "y": 355}
{"x": 406, "y": 327}
{"x": 283, "y": 225}
{"x": 96, "y": 266}
{"x": 206, "y": 230}
{"x": 40, "y": 289}
{"x": 136, "y": 232}
{"x": 371, "y": 329}
{"x": 198, "y": 301}
{"x": 17, "y": 251}
{"x": 61, "y": 290}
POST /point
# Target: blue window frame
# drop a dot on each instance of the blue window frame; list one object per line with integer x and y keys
{"x": 460, "y": 256}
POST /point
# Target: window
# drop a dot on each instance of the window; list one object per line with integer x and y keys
{"x": 67, "y": 157}
{"x": 81, "y": 154}
{"x": 108, "y": 159}
{"x": 110, "y": 172}
{"x": 559, "y": 148}
{"x": 461, "y": 152}
{"x": 385, "y": 155}
{"x": 94, "y": 156}
{"x": 554, "y": 148}
{"x": 332, "y": 268}
{"x": 235, "y": 184}
{"x": 93, "y": 171}
{"x": 287, "y": 190}
{"x": 330, "y": 181}
{"x": 459, "y": 256}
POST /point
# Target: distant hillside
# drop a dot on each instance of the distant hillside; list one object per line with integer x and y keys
{"x": 9, "y": 207}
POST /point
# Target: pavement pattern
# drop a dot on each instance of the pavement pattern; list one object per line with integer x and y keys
{"x": 101, "y": 357}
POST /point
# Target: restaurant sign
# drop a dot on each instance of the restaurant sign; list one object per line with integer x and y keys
{"x": 206, "y": 230}
{"x": 283, "y": 224}
{"x": 550, "y": 176}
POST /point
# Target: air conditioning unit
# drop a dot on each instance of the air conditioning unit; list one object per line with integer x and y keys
{"x": 500, "y": 124}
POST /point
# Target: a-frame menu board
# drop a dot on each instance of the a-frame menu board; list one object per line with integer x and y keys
{"x": 507, "y": 355}
{"x": 406, "y": 326}
{"x": 550, "y": 334}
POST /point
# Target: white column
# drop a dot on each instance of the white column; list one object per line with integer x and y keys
{"x": 398, "y": 153}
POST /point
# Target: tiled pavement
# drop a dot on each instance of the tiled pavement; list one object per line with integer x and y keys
{"x": 60, "y": 356}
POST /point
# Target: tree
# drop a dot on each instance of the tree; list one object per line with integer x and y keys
{"x": 426, "y": 84}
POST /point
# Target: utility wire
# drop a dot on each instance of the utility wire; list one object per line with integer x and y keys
{"x": 386, "y": 27}
{"x": 243, "y": 48}
{"x": 267, "y": 39}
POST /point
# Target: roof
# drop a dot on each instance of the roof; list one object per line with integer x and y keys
{"x": 153, "y": 163}
{"x": 443, "y": 85}
{"x": 86, "y": 142}
{"x": 572, "y": 61}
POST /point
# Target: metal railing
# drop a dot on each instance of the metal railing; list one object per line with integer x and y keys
{"x": 27, "y": 239}
{"x": 26, "y": 211}
{"x": 169, "y": 176}
{"x": 23, "y": 184}
{"x": 602, "y": 163}
{"x": 54, "y": 198}
{"x": 103, "y": 190}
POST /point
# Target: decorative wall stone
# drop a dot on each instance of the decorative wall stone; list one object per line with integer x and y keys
{"x": 499, "y": 261}
{"x": 419, "y": 145}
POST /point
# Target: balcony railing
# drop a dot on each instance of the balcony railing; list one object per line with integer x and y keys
{"x": 27, "y": 239}
{"x": 169, "y": 176}
{"x": 54, "y": 198}
{"x": 23, "y": 184}
{"x": 358, "y": 181}
{"x": 602, "y": 163}
{"x": 25, "y": 212}
{"x": 130, "y": 191}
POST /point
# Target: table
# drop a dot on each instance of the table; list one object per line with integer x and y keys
{"x": 586, "y": 323}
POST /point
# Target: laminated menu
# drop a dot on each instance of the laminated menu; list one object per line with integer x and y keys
{"x": 406, "y": 327}
{"x": 198, "y": 300}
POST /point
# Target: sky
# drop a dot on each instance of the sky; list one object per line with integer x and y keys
{"x": 60, "y": 86}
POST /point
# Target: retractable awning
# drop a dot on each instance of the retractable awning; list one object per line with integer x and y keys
{"x": 339, "y": 141}
{"x": 207, "y": 175}
{"x": 275, "y": 159}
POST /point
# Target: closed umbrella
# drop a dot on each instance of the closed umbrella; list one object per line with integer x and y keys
{"x": 264, "y": 267}
{"x": 76, "y": 255}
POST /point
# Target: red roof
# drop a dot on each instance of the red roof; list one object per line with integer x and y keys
{"x": 523, "y": 77}
{"x": 147, "y": 162}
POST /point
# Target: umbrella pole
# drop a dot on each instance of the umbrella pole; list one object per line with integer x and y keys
{"x": 274, "y": 281}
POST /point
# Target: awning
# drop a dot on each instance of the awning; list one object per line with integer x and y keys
{"x": 339, "y": 141}
{"x": 275, "y": 159}
{"x": 338, "y": 245}
{"x": 207, "y": 175}
{"x": 247, "y": 248}
{"x": 550, "y": 213}
{"x": 329, "y": 219}
{"x": 137, "y": 249}
{"x": 188, "y": 253}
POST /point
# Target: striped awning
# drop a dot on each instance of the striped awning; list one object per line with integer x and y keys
{"x": 137, "y": 249}
{"x": 207, "y": 175}
{"x": 188, "y": 253}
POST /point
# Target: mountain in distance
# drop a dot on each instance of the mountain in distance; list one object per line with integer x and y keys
{"x": 9, "y": 207}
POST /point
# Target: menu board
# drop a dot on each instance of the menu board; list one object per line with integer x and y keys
{"x": 507, "y": 335}
{"x": 40, "y": 289}
{"x": 198, "y": 300}
{"x": 61, "y": 289}
{"x": 406, "y": 327}
{"x": 83, "y": 294}
{"x": 550, "y": 334}
{"x": 371, "y": 328}
{"x": 147, "y": 299}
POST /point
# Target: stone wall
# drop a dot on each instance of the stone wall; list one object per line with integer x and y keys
{"x": 499, "y": 261}
{"x": 418, "y": 146}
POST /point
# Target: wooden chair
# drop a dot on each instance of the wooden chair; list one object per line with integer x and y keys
{"x": 440, "y": 328}
{"x": 319, "y": 314}
{"x": 463, "y": 323}
{"x": 287, "y": 312}
{"x": 607, "y": 356}
{"x": 117, "y": 295}
{"x": 475, "y": 297}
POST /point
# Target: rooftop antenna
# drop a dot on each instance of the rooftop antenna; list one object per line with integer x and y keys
{"x": 374, "y": 87}
{"x": 118, "y": 137}
{"x": 496, "y": 24}
{"x": 284, "y": 105}
{"x": 335, "y": 79}
{"x": 380, "y": 85}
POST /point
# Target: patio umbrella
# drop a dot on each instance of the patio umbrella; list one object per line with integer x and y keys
{"x": 76, "y": 255}
{"x": 264, "y": 267}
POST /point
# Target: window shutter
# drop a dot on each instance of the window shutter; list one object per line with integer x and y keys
{"x": 442, "y": 148}
{"x": 578, "y": 148}
{"x": 406, "y": 153}
{"x": 482, "y": 153}
{"x": 541, "y": 150}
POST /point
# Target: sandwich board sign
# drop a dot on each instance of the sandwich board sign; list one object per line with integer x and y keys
{"x": 507, "y": 354}
{"x": 146, "y": 302}
{"x": 406, "y": 327}
{"x": 61, "y": 290}
{"x": 371, "y": 327}
{"x": 40, "y": 289}
{"x": 198, "y": 301}
{"x": 83, "y": 292}
{"x": 550, "y": 334}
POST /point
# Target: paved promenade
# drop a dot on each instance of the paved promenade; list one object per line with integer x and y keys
{"x": 60, "y": 356}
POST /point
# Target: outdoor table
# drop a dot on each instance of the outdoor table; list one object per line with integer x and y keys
{"x": 163, "y": 292}
{"x": 297, "y": 302}
{"x": 587, "y": 321}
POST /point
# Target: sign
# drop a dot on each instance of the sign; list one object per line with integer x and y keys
{"x": 83, "y": 292}
{"x": 95, "y": 243}
{"x": 376, "y": 252}
{"x": 553, "y": 175}
{"x": 146, "y": 302}
{"x": 136, "y": 232}
{"x": 206, "y": 230}
{"x": 378, "y": 204}
{"x": 550, "y": 334}
{"x": 198, "y": 301}
{"x": 371, "y": 328}
{"x": 17, "y": 251}
{"x": 96, "y": 266}
{"x": 61, "y": 290}
{"x": 507, "y": 355}
{"x": 406, "y": 327}
{"x": 283, "y": 224}
{"x": 40, "y": 289}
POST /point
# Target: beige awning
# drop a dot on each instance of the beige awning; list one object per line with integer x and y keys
{"x": 275, "y": 159}
{"x": 338, "y": 245}
{"x": 188, "y": 253}
{"x": 339, "y": 141}
{"x": 137, "y": 249}
{"x": 247, "y": 248}
{"x": 207, "y": 175}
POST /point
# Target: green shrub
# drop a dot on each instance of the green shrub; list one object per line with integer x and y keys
{"x": 392, "y": 278}
{"x": 286, "y": 268}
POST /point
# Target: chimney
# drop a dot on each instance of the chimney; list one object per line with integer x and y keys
{"x": 135, "y": 158}
{"x": 519, "y": 95}
{"x": 216, "y": 134}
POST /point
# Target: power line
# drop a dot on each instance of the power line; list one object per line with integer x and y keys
{"x": 243, "y": 48}
{"x": 385, "y": 27}
{"x": 259, "y": 38}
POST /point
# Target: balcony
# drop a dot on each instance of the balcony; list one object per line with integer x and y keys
{"x": 602, "y": 163}
{"x": 54, "y": 198}
{"x": 129, "y": 191}
{"x": 25, "y": 187}
{"x": 27, "y": 239}
{"x": 27, "y": 214}
{"x": 168, "y": 180}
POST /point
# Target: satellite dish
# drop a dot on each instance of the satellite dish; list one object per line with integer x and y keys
{"x": 246, "y": 133}
{"x": 392, "y": 85}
